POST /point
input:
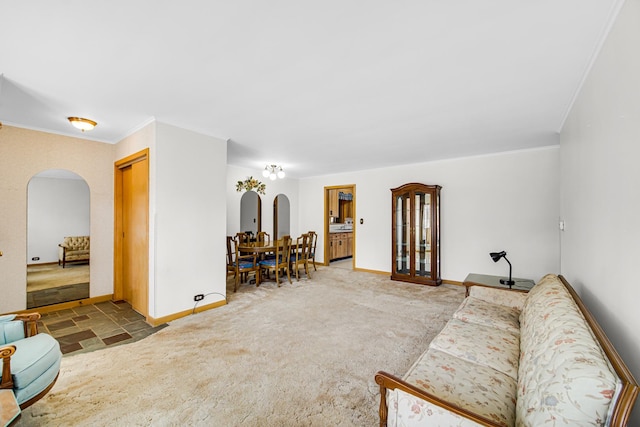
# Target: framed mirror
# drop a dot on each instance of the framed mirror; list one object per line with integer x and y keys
{"x": 250, "y": 213}
{"x": 281, "y": 216}
{"x": 58, "y": 206}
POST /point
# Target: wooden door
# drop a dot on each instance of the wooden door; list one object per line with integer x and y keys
{"x": 131, "y": 258}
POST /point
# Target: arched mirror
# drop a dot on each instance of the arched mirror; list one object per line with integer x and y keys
{"x": 250, "y": 213}
{"x": 281, "y": 216}
{"x": 58, "y": 206}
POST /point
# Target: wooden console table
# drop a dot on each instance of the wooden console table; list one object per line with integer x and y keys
{"x": 474, "y": 279}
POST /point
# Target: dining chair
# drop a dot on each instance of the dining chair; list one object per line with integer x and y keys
{"x": 231, "y": 268}
{"x": 243, "y": 238}
{"x": 300, "y": 255}
{"x": 313, "y": 240}
{"x": 280, "y": 262}
{"x": 263, "y": 237}
{"x": 243, "y": 264}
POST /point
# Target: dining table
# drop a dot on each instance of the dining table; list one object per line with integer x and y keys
{"x": 260, "y": 249}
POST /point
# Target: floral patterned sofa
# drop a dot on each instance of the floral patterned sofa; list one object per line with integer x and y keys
{"x": 514, "y": 359}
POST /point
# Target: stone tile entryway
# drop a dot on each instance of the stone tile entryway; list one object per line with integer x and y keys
{"x": 93, "y": 327}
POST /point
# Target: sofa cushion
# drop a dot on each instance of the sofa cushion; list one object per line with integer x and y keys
{"x": 407, "y": 410}
{"x": 474, "y": 387}
{"x": 10, "y": 330}
{"x": 491, "y": 347}
{"x": 563, "y": 374}
{"x": 474, "y": 310}
{"x": 39, "y": 384}
{"x": 74, "y": 255}
{"x": 33, "y": 356}
{"x": 501, "y": 296}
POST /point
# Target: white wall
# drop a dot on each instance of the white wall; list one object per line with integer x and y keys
{"x": 190, "y": 220}
{"x": 600, "y": 148}
{"x": 286, "y": 186}
{"x": 507, "y": 201}
{"x": 56, "y": 208}
{"x": 23, "y": 154}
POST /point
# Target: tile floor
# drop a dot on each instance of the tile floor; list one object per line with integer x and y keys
{"x": 93, "y": 327}
{"x": 57, "y": 295}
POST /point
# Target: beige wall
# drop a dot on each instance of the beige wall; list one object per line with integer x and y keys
{"x": 193, "y": 182}
{"x": 24, "y": 153}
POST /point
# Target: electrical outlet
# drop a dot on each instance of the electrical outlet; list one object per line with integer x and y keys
{"x": 198, "y": 297}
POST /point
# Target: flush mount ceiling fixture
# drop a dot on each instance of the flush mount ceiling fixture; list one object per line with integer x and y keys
{"x": 82, "y": 123}
{"x": 273, "y": 172}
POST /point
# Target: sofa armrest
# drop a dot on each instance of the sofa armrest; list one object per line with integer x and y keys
{"x": 5, "y": 355}
{"x": 387, "y": 381}
{"x": 30, "y": 321}
{"x": 505, "y": 297}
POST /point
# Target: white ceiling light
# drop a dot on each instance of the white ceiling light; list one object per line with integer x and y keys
{"x": 273, "y": 172}
{"x": 82, "y": 123}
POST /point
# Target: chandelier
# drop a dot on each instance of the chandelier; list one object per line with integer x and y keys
{"x": 273, "y": 172}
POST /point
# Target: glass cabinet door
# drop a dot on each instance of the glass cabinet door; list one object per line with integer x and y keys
{"x": 423, "y": 234}
{"x": 402, "y": 233}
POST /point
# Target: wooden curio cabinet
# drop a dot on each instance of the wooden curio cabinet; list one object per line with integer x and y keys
{"x": 415, "y": 234}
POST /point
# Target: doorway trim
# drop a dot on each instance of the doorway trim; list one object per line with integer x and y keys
{"x": 118, "y": 261}
{"x": 327, "y": 248}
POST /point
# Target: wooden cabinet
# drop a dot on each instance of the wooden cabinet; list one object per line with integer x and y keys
{"x": 334, "y": 204}
{"x": 341, "y": 245}
{"x": 415, "y": 234}
{"x": 341, "y": 208}
{"x": 333, "y": 242}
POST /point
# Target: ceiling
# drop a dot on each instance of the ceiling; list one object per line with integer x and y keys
{"x": 318, "y": 87}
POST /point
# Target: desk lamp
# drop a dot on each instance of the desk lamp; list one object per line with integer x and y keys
{"x": 495, "y": 256}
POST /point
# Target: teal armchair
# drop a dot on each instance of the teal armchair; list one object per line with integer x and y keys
{"x": 30, "y": 361}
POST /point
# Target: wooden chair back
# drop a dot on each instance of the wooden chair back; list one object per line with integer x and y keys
{"x": 243, "y": 238}
{"x": 242, "y": 263}
{"x": 230, "y": 254}
{"x": 263, "y": 237}
{"x": 300, "y": 254}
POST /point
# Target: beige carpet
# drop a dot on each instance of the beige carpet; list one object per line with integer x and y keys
{"x": 47, "y": 276}
{"x": 301, "y": 355}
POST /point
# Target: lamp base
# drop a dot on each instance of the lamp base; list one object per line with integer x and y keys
{"x": 509, "y": 283}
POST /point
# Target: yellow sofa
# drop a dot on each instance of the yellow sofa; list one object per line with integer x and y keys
{"x": 73, "y": 249}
